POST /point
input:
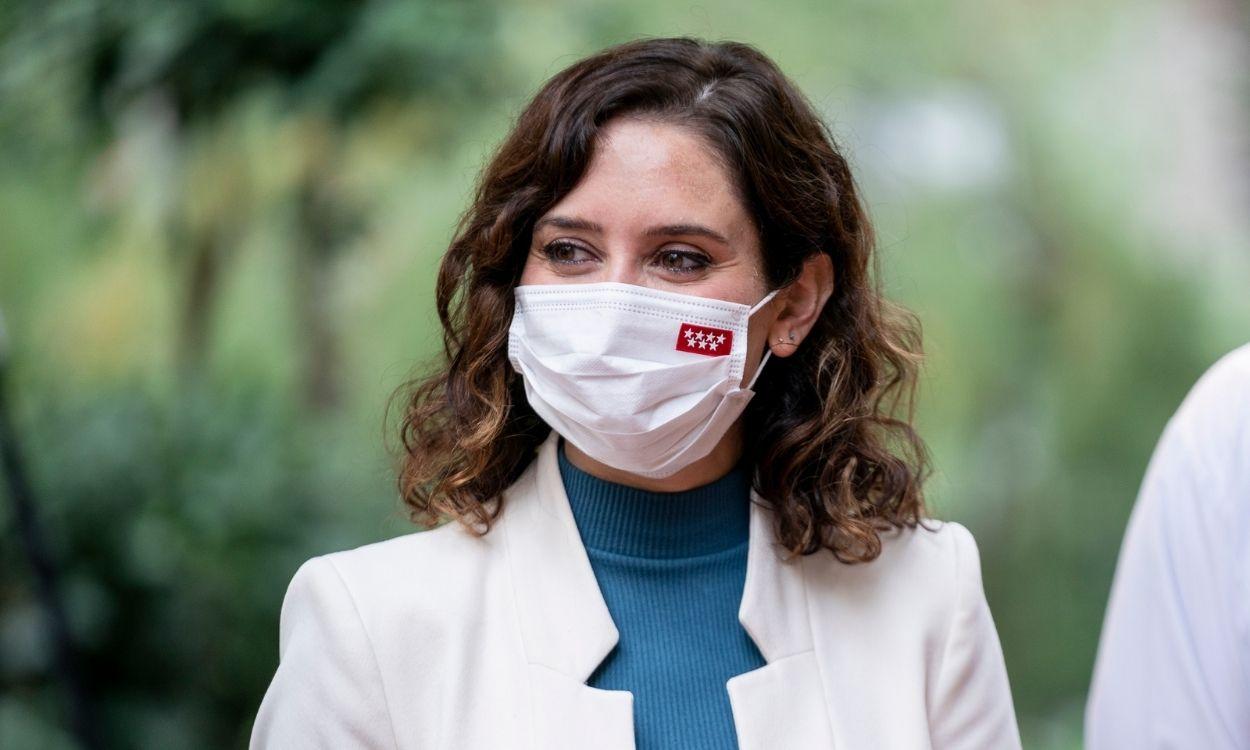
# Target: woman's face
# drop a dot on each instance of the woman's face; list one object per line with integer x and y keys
{"x": 654, "y": 209}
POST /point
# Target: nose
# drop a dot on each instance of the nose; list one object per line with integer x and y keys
{"x": 624, "y": 265}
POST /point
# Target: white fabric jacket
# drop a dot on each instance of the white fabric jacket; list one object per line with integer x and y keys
{"x": 440, "y": 639}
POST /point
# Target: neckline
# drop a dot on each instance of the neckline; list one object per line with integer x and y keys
{"x": 623, "y": 520}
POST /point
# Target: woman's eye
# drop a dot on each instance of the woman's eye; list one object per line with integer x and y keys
{"x": 682, "y": 261}
{"x": 565, "y": 252}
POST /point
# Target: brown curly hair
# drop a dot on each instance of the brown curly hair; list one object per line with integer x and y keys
{"x": 833, "y": 449}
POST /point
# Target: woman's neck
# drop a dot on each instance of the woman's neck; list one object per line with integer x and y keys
{"x": 723, "y": 458}
{"x": 624, "y": 520}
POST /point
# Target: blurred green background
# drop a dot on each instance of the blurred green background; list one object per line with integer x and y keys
{"x": 220, "y": 220}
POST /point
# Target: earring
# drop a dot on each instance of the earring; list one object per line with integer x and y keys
{"x": 783, "y": 341}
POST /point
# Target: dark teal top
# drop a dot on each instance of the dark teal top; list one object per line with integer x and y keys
{"x": 671, "y": 566}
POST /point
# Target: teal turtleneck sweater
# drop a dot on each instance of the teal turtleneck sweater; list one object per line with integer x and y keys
{"x": 671, "y": 566}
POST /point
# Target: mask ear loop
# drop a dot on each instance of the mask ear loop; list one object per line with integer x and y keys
{"x": 768, "y": 351}
{"x": 767, "y": 298}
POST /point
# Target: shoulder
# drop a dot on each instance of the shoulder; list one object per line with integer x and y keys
{"x": 923, "y": 571}
{"x": 1224, "y": 384}
{"x": 1217, "y": 407}
{"x": 934, "y": 546}
{"x": 437, "y": 575}
{"x": 430, "y": 575}
{"x": 346, "y": 626}
{"x": 414, "y": 554}
{"x": 1206, "y": 442}
{"x": 1229, "y": 373}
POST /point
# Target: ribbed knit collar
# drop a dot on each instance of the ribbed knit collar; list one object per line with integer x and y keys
{"x": 625, "y": 520}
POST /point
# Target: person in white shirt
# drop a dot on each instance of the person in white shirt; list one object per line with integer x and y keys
{"x": 1173, "y": 663}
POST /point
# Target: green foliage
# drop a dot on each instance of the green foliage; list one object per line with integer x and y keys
{"x": 178, "y": 522}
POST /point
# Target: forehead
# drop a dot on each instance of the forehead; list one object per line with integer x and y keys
{"x": 644, "y": 172}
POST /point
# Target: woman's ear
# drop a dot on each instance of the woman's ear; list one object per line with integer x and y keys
{"x": 802, "y": 301}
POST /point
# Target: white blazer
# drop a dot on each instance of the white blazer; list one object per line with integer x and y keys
{"x": 440, "y": 639}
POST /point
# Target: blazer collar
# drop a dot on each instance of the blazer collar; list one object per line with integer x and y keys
{"x": 565, "y": 623}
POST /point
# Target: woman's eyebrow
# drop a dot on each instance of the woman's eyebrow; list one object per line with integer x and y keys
{"x": 695, "y": 229}
{"x": 568, "y": 222}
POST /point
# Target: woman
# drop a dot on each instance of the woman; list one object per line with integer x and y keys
{"x": 648, "y": 538}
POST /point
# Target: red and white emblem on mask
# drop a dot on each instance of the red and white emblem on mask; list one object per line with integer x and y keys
{"x": 713, "y": 342}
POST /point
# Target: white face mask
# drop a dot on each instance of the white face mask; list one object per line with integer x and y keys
{"x": 643, "y": 380}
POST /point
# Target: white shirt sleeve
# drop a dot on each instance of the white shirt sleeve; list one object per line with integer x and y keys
{"x": 327, "y": 690}
{"x": 1173, "y": 664}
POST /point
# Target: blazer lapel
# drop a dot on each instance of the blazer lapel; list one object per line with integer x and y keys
{"x": 568, "y": 631}
{"x": 565, "y": 624}
{"x": 780, "y": 704}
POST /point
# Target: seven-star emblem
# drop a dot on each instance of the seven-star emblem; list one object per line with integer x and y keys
{"x": 712, "y": 342}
